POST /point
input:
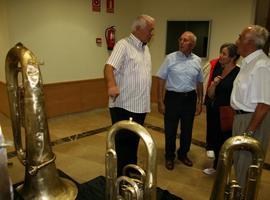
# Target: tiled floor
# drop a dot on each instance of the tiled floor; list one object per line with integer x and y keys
{"x": 80, "y": 153}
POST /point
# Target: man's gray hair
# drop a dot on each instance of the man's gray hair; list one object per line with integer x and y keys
{"x": 141, "y": 22}
{"x": 260, "y": 35}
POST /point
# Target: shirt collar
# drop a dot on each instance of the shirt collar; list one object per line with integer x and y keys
{"x": 136, "y": 41}
{"x": 183, "y": 55}
{"x": 252, "y": 56}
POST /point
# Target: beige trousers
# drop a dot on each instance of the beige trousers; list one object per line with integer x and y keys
{"x": 242, "y": 159}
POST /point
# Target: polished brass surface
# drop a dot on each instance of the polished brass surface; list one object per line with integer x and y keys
{"x": 138, "y": 176}
{"x": 129, "y": 188}
{"x": 27, "y": 112}
{"x": 225, "y": 187}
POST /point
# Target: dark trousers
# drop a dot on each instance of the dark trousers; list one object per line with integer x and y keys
{"x": 216, "y": 136}
{"x": 126, "y": 142}
{"x": 178, "y": 107}
{"x": 211, "y": 123}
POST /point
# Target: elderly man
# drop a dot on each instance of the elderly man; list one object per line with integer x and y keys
{"x": 181, "y": 72}
{"x": 251, "y": 94}
{"x": 128, "y": 77}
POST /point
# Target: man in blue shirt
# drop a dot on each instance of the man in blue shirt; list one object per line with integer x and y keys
{"x": 181, "y": 75}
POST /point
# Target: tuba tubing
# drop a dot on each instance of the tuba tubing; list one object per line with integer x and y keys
{"x": 149, "y": 186}
{"x": 131, "y": 188}
{"x": 224, "y": 186}
{"x": 27, "y": 110}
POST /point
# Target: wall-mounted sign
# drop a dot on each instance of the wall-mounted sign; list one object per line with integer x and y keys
{"x": 110, "y": 6}
{"x": 96, "y": 5}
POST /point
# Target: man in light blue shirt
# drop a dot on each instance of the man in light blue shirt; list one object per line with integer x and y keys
{"x": 180, "y": 90}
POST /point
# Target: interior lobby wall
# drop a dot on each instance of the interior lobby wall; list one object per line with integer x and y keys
{"x": 63, "y": 34}
{"x": 228, "y": 18}
{"x": 4, "y": 37}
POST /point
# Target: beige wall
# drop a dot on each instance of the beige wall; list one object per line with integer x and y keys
{"x": 228, "y": 19}
{"x": 62, "y": 33}
{"x": 4, "y": 37}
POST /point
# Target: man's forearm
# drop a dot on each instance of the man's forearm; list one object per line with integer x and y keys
{"x": 200, "y": 93}
{"x": 258, "y": 116}
{"x": 161, "y": 88}
{"x": 109, "y": 76}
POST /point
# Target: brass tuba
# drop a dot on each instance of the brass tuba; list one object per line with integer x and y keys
{"x": 225, "y": 187}
{"x": 142, "y": 184}
{"x": 27, "y": 110}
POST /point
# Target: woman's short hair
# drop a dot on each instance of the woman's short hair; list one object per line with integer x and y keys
{"x": 232, "y": 49}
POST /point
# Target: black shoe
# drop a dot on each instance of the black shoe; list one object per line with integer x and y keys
{"x": 169, "y": 164}
{"x": 185, "y": 160}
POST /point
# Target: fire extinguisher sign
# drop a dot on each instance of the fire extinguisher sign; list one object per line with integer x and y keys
{"x": 110, "y": 6}
{"x": 96, "y": 5}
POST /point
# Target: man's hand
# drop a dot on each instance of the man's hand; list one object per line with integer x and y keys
{"x": 161, "y": 108}
{"x": 248, "y": 133}
{"x": 113, "y": 92}
{"x": 198, "y": 109}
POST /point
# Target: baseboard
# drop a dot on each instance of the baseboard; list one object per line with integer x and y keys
{"x": 71, "y": 97}
{"x": 4, "y": 107}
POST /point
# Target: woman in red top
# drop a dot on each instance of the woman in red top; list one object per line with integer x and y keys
{"x": 218, "y": 94}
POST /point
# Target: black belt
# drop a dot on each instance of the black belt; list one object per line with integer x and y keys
{"x": 239, "y": 112}
{"x": 182, "y": 93}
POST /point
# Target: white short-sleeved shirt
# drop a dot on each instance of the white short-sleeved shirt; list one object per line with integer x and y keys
{"x": 132, "y": 71}
{"x": 252, "y": 85}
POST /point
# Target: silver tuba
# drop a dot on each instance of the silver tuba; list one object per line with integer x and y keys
{"x": 27, "y": 111}
{"x": 225, "y": 187}
{"x": 140, "y": 185}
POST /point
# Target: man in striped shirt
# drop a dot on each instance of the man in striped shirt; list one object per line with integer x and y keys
{"x": 128, "y": 77}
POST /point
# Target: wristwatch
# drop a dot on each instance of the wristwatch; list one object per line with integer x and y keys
{"x": 249, "y": 133}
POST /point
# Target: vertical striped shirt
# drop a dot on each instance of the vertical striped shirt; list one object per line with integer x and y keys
{"x": 131, "y": 61}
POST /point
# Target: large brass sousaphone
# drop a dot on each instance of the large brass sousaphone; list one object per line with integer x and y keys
{"x": 27, "y": 111}
{"x": 225, "y": 187}
{"x": 128, "y": 187}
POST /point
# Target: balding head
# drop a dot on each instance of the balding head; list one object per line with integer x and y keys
{"x": 252, "y": 38}
{"x": 187, "y": 42}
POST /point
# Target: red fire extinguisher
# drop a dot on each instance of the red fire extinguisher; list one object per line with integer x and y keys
{"x": 110, "y": 37}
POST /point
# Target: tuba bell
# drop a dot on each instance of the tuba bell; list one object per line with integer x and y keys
{"x": 225, "y": 187}
{"x": 131, "y": 186}
{"x": 27, "y": 111}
